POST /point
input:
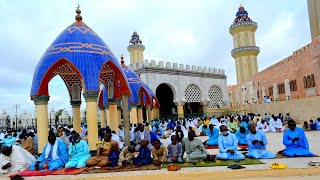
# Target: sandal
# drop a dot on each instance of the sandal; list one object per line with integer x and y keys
{"x": 278, "y": 166}
{"x": 314, "y": 163}
{"x": 174, "y": 168}
{"x": 237, "y": 166}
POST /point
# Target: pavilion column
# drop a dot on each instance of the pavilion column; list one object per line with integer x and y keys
{"x": 41, "y": 103}
{"x": 76, "y": 120}
{"x": 140, "y": 114}
{"x": 150, "y": 113}
{"x": 126, "y": 120}
{"x": 180, "y": 110}
{"x": 102, "y": 117}
{"x": 119, "y": 115}
{"x": 133, "y": 114}
{"x": 107, "y": 115}
{"x": 113, "y": 113}
{"x": 156, "y": 113}
{"x": 92, "y": 119}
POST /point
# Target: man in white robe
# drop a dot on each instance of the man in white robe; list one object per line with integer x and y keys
{"x": 15, "y": 159}
{"x": 262, "y": 126}
{"x": 276, "y": 125}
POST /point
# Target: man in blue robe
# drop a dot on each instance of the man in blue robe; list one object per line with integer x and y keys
{"x": 228, "y": 145}
{"x": 257, "y": 142}
{"x": 295, "y": 141}
{"x": 54, "y": 155}
{"x": 158, "y": 130}
{"x": 79, "y": 153}
{"x": 213, "y": 134}
{"x": 8, "y": 140}
{"x": 241, "y": 136}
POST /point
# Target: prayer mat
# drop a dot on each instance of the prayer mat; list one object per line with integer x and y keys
{"x": 246, "y": 161}
{"x": 279, "y": 156}
{"x": 243, "y": 146}
{"x": 93, "y": 170}
{"x": 71, "y": 171}
{"x": 211, "y": 147}
{"x": 34, "y": 173}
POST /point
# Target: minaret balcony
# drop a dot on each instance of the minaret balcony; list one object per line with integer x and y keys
{"x": 243, "y": 26}
{"x": 245, "y": 51}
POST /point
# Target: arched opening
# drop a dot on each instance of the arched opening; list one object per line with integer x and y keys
{"x": 193, "y": 97}
{"x": 215, "y": 95}
{"x": 165, "y": 97}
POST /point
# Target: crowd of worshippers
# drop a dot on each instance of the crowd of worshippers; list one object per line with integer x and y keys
{"x": 68, "y": 149}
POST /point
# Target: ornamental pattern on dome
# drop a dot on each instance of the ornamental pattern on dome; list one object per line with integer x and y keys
{"x": 135, "y": 39}
{"x": 242, "y": 15}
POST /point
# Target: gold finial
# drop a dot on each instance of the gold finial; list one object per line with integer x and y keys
{"x": 241, "y": 6}
{"x": 78, "y": 16}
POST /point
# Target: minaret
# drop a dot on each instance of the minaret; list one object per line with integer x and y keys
{"x": 314, "y": 17}
{"x": 245, "y": 50}
{"x": 136, "y": 49}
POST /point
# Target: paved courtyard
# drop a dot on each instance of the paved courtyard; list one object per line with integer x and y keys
{"x": 297, "y": 167}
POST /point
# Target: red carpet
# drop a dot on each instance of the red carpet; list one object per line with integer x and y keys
{"x": 211, "y": 147}
{"x": 35, "y": 173}
{"x": 243, "y": 146}
{"x": 71, "y": 171}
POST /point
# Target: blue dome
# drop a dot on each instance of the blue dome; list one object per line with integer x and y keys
{"x": 85, "y": 52}
{"x": 137, "y": 87}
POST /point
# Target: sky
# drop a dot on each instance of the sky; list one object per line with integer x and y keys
{"x": 194, "y": 32}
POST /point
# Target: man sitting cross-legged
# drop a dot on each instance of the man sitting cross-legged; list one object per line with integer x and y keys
{"x": 295, "y": 141}
{"x": 174, "y": 150}
{"x": 159, "y": 152}
{"x": 126, "y": 156}
{"x": 213, "y": 134}
{"x": 257, "y": 142}
{"x": 241, "y": 136}
{"x": 228, "y": 145}
{"x": 103, "y": 151}
{"x": 79, "y": 153}
{"x": 196, "y": 152}
{"x": 144, "y": 157}
{"x": 54, "y": 155}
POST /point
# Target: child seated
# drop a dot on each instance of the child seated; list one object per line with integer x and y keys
{"x": 114, "y": 155}
{"x": 159, "y": 152}
{"x": 306, "y": 126}
{"x": 126, "y": 156}
{"x": 174, "y": 151}
{"x": 313, "y": 126}
{"x": 144, "y": 157}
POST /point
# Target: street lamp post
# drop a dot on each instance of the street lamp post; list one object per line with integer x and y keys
{"x": 16, "y": 106}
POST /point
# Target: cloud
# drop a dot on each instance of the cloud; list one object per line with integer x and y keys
{"x": 187, "y": 32}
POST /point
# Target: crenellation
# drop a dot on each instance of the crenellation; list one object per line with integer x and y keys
{"x": 175, "y": 66}
{"x": 146, "y": 63}
{"x": 210, "y": 70}
{"x": 194, "y": 68}
{"x": 168, "y": 65}
{"x": 153, "y": 63}
{"x": 161, "y": 65}
{"x": 205, "y": 70}
{"x": 188, "y": 67}
{"x": 181, "y": 67}
{"x": 200, "y": 69}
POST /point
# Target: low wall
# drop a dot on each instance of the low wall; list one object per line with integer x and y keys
{"x": 299, "y": 109}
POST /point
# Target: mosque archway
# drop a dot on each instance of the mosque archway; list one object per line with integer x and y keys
{"x": 165, "y": 96}
{"x": 193, "y": 97}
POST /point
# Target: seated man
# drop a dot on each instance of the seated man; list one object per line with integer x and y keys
{"x": 114, "y": 155}
{"x": 196, "y": 152}
{"x": 257, "y": 142}
{"x": 103, "y": 151}
{"x": 144, "y": 157}
{"x": 14, "y": 159}
{"x": 79, "y": 153}
{"x": 159, "y": 152}
{"x": 262, "y": 125}
{"x": 27, "y": 143}
{"x": 241, "y": 136}
{"x": 54, "y": 155}
{"x": 8, "y": 139}
{"x": 203, "y": 129}
{"x": 295, "y": 141}
{"x": 140, "y": 135}
{"x": 213, "y": 134}
{"x": 126, "y": 156}
{"x": 318, "y": 124}
{"x": 232, "y": 125}
{"x": 158, "y": 131}
{"x": 174, "y": 150}
{"x": 228, "y": 145}
{"x": 276, "y": 124}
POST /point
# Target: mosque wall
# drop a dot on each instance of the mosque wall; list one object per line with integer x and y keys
{"x": 295, "y": 77}
{"x": 207, "y": 84}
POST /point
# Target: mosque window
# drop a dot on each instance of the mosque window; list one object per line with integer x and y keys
{"x": 258, "y": 94}
{"x": 281, "y": 89}
{"x": 313, "y": 84}
{"x": 193, "y": 93}
{"x": 215, "y": 95}
{"x": 308, "y": 81}
{"x": 270, "y": 91}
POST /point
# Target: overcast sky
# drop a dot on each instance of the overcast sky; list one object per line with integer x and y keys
{"x": 182, "y": 31}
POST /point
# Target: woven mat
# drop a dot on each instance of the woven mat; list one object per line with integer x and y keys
{"x": 93, "y": 170}
{"x": 71, "y": 171}
{"x": 246, "y": 161}
{"x": 279, "y": 156}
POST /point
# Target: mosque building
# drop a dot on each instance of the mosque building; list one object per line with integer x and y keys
{"x": 291, "y": 86}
